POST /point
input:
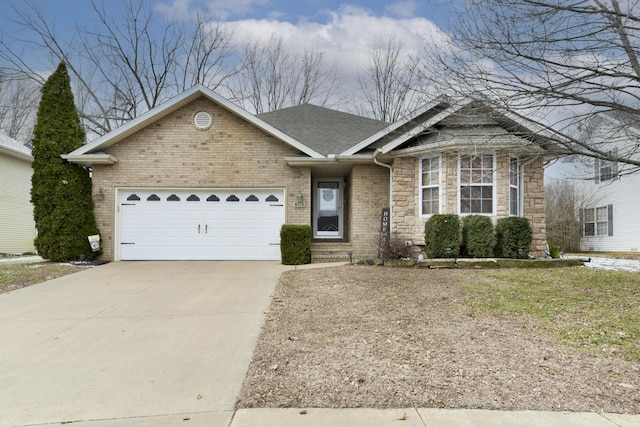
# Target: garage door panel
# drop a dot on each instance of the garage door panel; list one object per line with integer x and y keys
{"x": 201, "y": 224}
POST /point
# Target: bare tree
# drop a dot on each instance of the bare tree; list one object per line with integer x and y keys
{"x": 272, "y": 77}
{"x": 562, "y": 203}
{"x": 123, "y": 65}
{"x": 389, "y": 83}
{"x": 18, "y": 107}
{"x": 560, "y": 61}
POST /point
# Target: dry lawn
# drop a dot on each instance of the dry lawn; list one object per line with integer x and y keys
{"x": 15, "y": 275}
{"x": 358, "y": 336}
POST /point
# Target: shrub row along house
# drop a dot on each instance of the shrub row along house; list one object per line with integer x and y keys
{"x": 200, "y": 178}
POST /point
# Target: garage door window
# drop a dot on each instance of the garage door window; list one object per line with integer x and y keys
{"x": 153, "y": 198}
{"x": 173, "y": 198}
{"x": 193, "y": 198}
{"x": 272, "y": 198}
{"x": 213, "y": 198}
{"x": 233, "y": 198}
{"x": 133, "y": 198}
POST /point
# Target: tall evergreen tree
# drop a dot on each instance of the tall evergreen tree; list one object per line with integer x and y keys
{"x": 60, "y": 191}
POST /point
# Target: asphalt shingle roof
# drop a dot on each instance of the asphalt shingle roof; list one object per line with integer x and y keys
{"x": 322, "y": 129}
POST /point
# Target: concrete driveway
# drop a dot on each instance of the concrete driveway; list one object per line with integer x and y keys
{"x": 132, "y": 343}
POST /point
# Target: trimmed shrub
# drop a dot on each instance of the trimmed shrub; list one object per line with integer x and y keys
{"x": 442, "y": 232}
{"x": 478, "y": 238}
{"x": 295, "y": 244}
{"x": 554, "y": 250}
{"x": 513, "y": 234}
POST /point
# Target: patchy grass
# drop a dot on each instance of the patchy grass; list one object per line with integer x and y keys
{"x": 16, "y": 275}
{"x": 595, "y": 310}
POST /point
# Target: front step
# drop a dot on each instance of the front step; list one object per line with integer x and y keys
{"x": 330, "y": 252}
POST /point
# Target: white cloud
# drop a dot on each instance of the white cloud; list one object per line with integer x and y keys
{"x": 347, "y": 36}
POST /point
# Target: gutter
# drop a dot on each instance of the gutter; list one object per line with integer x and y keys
{"x": 384, "y": 165}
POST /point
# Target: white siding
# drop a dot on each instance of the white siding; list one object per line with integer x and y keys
{"x": 622, "y": 192}
{"x": 17, "y": 229}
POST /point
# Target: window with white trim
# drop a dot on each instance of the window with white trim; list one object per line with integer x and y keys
{"x": 514, "y": 187}
{"x": 476, "y": 184}
{"x": 430, "y": 185}
{"x": 597, "y": 221}
{"x": 606, "y": 170}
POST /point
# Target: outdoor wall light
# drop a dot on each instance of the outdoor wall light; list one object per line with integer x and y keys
{"x": 100, "y": 195}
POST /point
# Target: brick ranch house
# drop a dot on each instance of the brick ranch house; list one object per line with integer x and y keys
{"x": 200, "y": 178}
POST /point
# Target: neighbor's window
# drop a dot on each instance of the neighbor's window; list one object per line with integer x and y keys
{"x": 597, "y": 221}
{"x": 514, "y": 187}
{"x": 606, "y": 170}
{"x": 476, "y": 184}
{"x": 430, "y": 184}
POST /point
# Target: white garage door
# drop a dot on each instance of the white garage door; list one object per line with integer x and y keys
{"x": 201, "y": 224}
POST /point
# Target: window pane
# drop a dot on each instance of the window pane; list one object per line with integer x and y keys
{"x": 513, "y": 201}
{"x": 602, "y": 229}
{"x": 589, "y": 229}
{"x": 465, "y": 206}
{"x": 487, "y": 206}
{"x": 430, "y": 201}
{"x": 589, "y": 215}
{"x": 476, "y": 163}
{"x": 487, "y": 162}
{"x": 465, "y": 176}
{"x": 601, "y": 214}
{"x": 465, "y": 162}
{"x": 476, "y": 206}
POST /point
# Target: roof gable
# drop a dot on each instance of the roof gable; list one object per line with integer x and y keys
{"x": 445, "y": 112}
{"x": 324, "y": 130}
{"x": 92, "y": 152}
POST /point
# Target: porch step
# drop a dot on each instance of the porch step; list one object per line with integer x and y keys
{"x": 330, "y": 252}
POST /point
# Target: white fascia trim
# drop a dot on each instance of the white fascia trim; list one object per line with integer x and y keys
{"x": 90, "y": 159}
{"x": 420, "y": 128}
{"x": 16, "y": 154}
{"x": 393, "y": 126}
{"x": 177, "y": 102}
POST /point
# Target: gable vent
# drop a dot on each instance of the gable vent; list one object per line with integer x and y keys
{"x": 202, "y": 120}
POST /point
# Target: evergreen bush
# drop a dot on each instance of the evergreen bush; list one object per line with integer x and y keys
{"x": 295, "y": 244}
{"x": 442, "y": 232}
{"x": 513, "y": 236}
{"x": 478, "y": 238}
{"x": 60, "y": 191}
{"x": 554, "y": 250}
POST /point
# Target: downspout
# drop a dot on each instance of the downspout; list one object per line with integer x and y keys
{"x": 379, "y": 163}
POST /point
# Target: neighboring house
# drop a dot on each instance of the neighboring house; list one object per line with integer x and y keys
{"x": 609, "y": 220}
{"x": 17, "y": 229}
{"x": 200, "y": 178}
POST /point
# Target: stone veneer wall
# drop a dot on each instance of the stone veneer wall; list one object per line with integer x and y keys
{"x": 172, "y": 153}
{"x": 408, "y": 223}
{"x": 368, "y": 195}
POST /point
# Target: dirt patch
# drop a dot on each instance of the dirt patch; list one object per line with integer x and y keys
{"x": 391, "y": 338}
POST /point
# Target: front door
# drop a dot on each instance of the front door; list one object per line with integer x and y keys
{"x": 328, "y": 215}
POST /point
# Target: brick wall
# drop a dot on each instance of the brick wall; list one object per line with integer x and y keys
{"x": 408, "y": 223}
{"x": 368, "y": 195}
{"x": 172, "y": 153}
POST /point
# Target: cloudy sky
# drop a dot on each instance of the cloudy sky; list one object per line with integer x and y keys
{"x": 345, "y": 30}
